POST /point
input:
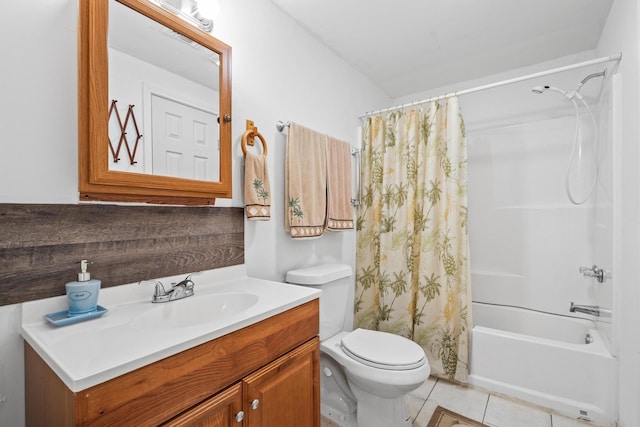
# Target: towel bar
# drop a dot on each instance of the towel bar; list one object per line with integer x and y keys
{"x": 357, "y": 153}
{"x": 280, "y": 125}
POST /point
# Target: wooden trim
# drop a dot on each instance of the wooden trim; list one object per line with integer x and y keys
{"x": 155, "y": 200}
{"x": 316, "y": 383}
{"x": 48, "y": 401}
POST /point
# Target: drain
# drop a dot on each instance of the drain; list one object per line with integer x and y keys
{"x": 584, "y": 415}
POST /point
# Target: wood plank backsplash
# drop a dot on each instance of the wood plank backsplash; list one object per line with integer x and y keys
{"x": 41, "y": 245}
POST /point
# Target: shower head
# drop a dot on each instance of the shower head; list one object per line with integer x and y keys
{"x": 590, "y": 76}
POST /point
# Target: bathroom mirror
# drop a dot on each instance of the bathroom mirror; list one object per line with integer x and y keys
{"x": 154, "y": 106}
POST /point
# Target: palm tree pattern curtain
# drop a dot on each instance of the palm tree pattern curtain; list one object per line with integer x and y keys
{"x": 412, "y": 261}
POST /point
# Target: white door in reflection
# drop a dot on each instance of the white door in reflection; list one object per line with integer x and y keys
{"x": 185, "y": 140}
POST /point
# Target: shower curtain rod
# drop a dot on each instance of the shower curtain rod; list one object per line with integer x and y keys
{"x": 601, "y": 60}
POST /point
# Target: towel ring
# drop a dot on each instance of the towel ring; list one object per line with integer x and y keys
{"x": 252, "y": 133}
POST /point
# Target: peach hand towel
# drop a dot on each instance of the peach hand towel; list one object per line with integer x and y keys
{"x": 257, "y": 192}
{"x": 305, "y": 182}
{"x": 339, "y": 209}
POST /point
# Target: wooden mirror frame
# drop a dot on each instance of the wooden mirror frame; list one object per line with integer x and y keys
{"x": 95, "y": 180}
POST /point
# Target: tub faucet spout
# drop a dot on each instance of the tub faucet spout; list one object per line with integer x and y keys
{"x": 593, "y": 310}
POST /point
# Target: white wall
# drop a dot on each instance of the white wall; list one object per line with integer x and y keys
{"x": 622, "y": 33}
{"x": 39, "y": 102}
{"x": 527, "y": 240}
{"x": 603, "y": 239}
{"x": 279, "y": 73}
{"x": 39, "y": 138}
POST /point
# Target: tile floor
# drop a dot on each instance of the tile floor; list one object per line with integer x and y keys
{"x": 491, "y": 409}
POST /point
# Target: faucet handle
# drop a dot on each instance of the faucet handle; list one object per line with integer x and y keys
{"x": 598, "y": 273}
{"x": 159, "y": 287}
{"x": 188, "y": 284}
{"x": 189, "y": 276}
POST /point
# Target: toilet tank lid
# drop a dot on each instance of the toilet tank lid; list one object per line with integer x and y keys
{"x": 319, "y": 274}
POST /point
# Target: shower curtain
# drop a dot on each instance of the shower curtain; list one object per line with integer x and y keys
{"x": 412, "y": 260}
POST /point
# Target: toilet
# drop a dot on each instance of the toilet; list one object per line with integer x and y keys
{"x": 365, "y": 375}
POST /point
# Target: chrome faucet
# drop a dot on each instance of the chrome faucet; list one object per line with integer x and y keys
{"x": 593, "y": 310}
{"x": 595, "y": 272}
{"x": 178, "y": 291}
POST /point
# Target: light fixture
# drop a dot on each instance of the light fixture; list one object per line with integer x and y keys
{"x": 209, "y": 8}
{"x": 188, "y": 10}
{"x": 186, "y": 40}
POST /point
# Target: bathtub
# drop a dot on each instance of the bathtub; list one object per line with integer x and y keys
{"x": 544, "y": 359}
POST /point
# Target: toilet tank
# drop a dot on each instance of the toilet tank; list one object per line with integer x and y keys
{"x": 334, "y": 281}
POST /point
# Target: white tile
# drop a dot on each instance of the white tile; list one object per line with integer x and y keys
{"x": 425, "y": 389}
{"x": 464, "y": 400}
{"x": 415, "y": 405}
{"x": 561, "y": 421}
{"x": 503, "y": 412}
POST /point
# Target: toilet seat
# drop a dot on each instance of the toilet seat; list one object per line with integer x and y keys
{"x": 383, "y": 350}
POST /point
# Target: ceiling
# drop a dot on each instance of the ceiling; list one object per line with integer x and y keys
{"x": 408, "y": 46}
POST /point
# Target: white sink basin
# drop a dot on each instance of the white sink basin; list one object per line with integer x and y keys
{"x": 134, "y": 332}
{"x": 194, "y": 310}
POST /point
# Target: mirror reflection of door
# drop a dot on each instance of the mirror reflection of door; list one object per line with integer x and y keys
{"x": 185, "y": 138}
{"x": 145, "y": 57}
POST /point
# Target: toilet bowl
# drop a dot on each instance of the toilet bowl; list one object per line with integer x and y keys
{"x": 370, "y": 370}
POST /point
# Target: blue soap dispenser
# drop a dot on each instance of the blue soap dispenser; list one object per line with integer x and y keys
{"x": 82, "y": 295}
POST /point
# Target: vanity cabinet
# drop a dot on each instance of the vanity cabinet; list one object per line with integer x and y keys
{"x": 272, "y": 365}
{"x": 222, "y": 410}
{"x": 276, "y": 395}
{"x": 279, "y": 394}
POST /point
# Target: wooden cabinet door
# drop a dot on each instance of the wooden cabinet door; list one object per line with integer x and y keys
{"x": 220, "y": 410}
{"x": 286, "y": 392}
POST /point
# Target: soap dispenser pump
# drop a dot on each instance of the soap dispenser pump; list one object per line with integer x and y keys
{"x": 82, "y": 295}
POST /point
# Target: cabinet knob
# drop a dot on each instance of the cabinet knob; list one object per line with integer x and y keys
{"x": 240, "y": 416}
{"x": 255, "y": 404}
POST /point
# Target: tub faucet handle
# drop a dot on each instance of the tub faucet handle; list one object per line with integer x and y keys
{"x": 595, "y": 271}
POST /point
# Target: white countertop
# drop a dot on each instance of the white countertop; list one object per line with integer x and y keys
{"x": 91, "y": 352}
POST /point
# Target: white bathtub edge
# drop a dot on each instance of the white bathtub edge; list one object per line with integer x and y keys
{"x": 565, "y": 407}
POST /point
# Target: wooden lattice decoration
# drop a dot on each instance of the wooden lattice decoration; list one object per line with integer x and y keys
{"x": 123, "y": 140}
